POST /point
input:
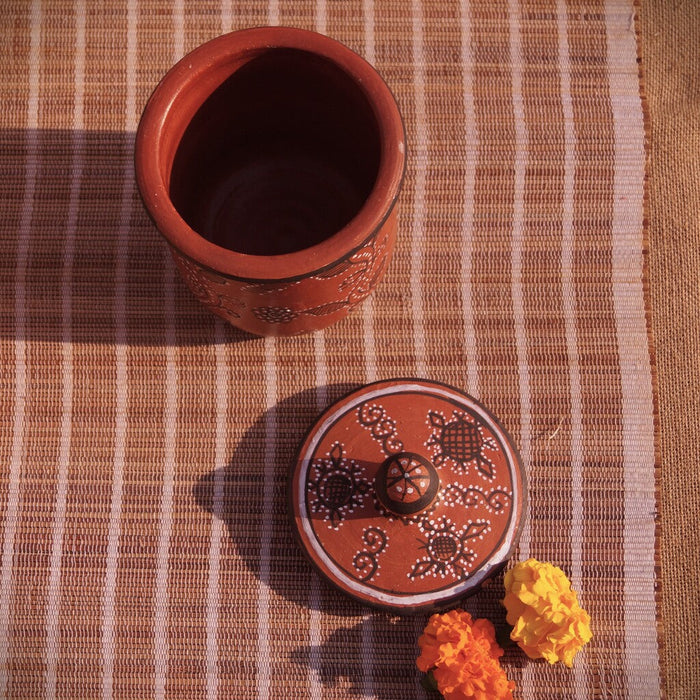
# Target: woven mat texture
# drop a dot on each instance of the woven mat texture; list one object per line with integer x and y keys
{"x": 144, "y": 444}
{"x": 671, "y": 58}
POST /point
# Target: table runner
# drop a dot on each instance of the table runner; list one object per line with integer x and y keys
{"x": 145, "y": 444}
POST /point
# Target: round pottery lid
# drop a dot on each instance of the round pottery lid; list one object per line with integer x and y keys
{"x": 407, "y": 494}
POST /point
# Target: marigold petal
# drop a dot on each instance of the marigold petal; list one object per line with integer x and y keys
{"x": 547, "y": 619}
{"x": 463, "y": 655}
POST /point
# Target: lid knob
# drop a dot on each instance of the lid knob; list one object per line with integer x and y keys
{"x": 406, "y": 483}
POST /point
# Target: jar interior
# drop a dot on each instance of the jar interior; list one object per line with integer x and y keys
{"x": 282, "y": 155}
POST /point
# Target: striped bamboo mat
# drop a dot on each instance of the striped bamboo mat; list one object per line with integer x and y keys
{"x": 144, "y": 445}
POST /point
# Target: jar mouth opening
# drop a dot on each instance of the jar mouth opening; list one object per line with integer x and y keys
{"x": 270, "y": 153}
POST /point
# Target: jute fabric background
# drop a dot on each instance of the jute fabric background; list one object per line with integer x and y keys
{"x": 670, "y": 35}
{"x": 145, "y": 445}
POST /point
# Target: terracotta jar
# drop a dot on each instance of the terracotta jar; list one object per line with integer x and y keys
{"x": 271, "y": 159}
{"x": 407, "y": 494}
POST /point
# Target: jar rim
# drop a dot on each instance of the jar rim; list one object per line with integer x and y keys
{"x": 174, "y": 103}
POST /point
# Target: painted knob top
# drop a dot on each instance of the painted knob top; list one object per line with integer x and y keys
{"x": 407, "y": 494}
{"x": 406, "y": 483}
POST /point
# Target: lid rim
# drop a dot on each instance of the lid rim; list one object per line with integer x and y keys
{"x": 386, "y": 598}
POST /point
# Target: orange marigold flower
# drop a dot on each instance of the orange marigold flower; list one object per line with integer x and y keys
{"x": 463, "y": 656}
{"x": 547, "y": 620}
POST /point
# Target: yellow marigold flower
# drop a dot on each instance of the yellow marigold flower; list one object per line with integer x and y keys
{"x": 547, "y": 620}
{"x": 463, "y": 656}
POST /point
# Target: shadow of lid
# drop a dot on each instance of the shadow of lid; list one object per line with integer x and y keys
{"x": 249, "y": 495}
